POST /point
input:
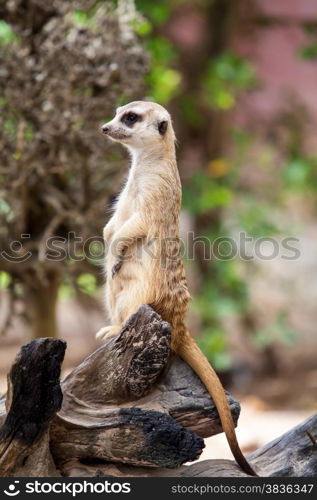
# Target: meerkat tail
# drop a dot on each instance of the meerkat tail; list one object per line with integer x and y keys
{"x": 190, "y": 352}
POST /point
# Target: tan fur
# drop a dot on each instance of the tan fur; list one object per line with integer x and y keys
{"x": 143, "y": 241}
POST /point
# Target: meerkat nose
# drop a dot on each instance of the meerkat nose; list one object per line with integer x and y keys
{"x": 105, "y": 129}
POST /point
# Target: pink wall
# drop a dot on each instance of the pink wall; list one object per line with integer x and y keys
{"x": 284, "y": 76}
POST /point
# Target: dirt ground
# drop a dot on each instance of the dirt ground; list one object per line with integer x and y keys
{"x": 256, "y": 428}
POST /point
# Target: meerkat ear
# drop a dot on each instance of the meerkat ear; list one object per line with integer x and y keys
{"x": 162, "y": 127}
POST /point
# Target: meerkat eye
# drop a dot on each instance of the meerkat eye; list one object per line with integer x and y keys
{"x": 130, "y": 118}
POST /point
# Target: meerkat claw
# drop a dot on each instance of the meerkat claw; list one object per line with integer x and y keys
{"x": 108, "y": 332}
{"x": 101, "y": 333}
{"x": 116, "y": 268}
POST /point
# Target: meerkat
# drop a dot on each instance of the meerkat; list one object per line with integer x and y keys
{"x": 143, "y": 262}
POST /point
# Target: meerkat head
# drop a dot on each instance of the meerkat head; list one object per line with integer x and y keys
{"x": 141, "y": 125}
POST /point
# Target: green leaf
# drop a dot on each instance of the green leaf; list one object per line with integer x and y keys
{"x": 309, "y": 52}
{"x": 158, "y": 12}
{"x": 143, "y": 28}
{"x": 5, "y": 208}
{"x": 165, "y": 83}
{"x": 226, "y": 76}
{"x": 217, "y": 197}
{"x": 5, "y": 280}
{"x": 10, "y": 126}
{"x": 162, "y": 51}
{"x": 87, "y": 283}
{"x": 65, "y": 291}
{"x": 257, "y": 219}
{"x": 224, "y": 99}
{"x": 296, "y": 173}
{"x": 7, "y": 35}
{"x": 81, "y": 18}
{"x": 278, "y": 331}
{"x": 213, "y": 343}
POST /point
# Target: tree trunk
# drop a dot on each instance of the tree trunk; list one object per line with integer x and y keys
{"x": 41, "y": 295}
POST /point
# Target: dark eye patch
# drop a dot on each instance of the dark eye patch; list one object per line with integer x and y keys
{"x": 130, "y": 119}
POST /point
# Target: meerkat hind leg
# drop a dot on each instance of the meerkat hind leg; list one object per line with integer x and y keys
{"x": 108, "y": 332}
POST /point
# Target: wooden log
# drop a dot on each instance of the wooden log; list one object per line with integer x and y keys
{"x": 127, "y": 406}
{"x": 33, "y": 398}
{"x": 129, "y": 402}
{"x": 294, "y": 454}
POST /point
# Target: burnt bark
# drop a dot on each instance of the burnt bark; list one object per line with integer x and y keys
{"x": 294, "y": 454}
{"x": 33, "y": 398}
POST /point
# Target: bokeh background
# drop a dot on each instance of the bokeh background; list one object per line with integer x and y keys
{"x": 239, "y": 78}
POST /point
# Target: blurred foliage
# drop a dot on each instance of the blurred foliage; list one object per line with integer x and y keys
{"x": 162, "y": 79}
{"x": 226, "y": 76}
{"x": 5, "y": 280}
{"x": 300, "y": 174}
{"x": 278, "y": 331}
{"x": 87, "y": 283}
{"x": 309, "y": 50}
{"x": 220, "y": 192}
{"x": 64, "y": 68}
{"x": 205, "y": 193}
{"x": 7, "y": 35}
{"x": 223, "y": 294}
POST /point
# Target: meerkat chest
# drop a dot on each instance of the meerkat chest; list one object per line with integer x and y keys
{"x": 126, "y": 206}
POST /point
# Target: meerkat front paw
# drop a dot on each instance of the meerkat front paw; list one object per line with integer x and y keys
{"x": 121, "y": 255}
{"x": 116, "y": 268}
{"x": 108, "y": 332}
